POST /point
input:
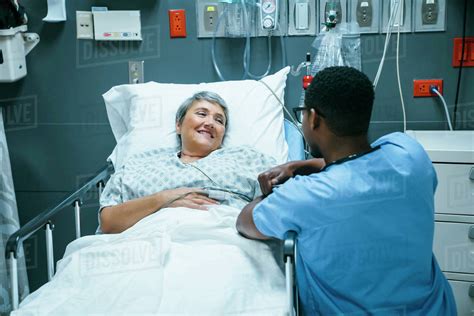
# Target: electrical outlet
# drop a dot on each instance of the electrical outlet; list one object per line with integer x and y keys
{"x": 422, "y": 88}
{"x": 84, "y": 25}
{"x": 364, "y": 13}
{"x": 430, "y": 11}
{"x": 136, "y": 72}
{"x": 177, "y": 23}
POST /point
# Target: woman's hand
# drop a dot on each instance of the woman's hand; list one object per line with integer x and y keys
{"x": 187, "y": 197}
{"x": 275, "y": 176}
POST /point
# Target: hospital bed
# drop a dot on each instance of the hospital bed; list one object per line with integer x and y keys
{"x": 97, "y": 182}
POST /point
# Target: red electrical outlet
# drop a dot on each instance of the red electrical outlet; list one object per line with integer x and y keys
{"x": 177, "y": 23}
{"x": 422, "y": 88}
{"x": 468, "y": 60}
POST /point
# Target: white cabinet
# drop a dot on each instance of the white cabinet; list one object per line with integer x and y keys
{"x": 455, "y": 192}
{"x": 464, "y": 301}
{"x": 452, "y": 154}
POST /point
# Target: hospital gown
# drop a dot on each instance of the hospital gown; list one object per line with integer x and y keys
{"x": 232, "y": 169}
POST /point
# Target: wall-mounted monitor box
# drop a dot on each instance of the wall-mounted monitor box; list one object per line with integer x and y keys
{"x": 117, "y": 26}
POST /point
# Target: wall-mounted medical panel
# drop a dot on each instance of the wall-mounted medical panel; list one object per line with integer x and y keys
{"x": 207, "y": 18}
{"x": 430, "y": 15}
{"x": 274, "y": 12}
{"x": 225, "y": 19}
{"x": 400, "y": 14}
{"x": 302, "y": 17}
{"x": 365, "y": 14}
{"x": 325, "y": 7}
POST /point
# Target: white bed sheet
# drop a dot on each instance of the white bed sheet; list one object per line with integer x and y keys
{"x": 177, "y": 261}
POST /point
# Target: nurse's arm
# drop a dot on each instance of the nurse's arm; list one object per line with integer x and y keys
{"x": 245, "y": 224}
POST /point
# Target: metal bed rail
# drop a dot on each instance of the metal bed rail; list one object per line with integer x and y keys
{"x": 73, "y": 199}
{"x": 289, "y": 258}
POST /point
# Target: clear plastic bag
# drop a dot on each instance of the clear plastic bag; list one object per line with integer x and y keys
{"x": 339, "y": 46}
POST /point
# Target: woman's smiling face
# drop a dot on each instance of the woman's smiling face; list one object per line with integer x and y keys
{"x": 202, "y": 128}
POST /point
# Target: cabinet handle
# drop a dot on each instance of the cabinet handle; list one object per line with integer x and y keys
{"x": 471, "y": 174}
{"x": 471, "y": 232}
{"x": 471, "y": 290}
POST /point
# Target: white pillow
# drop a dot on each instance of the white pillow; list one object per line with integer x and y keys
{"x": 142, "y": 116}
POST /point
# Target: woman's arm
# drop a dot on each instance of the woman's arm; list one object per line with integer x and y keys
{"x": 116, "y": 219}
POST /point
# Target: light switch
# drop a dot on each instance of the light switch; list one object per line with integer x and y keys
{"x": 302, "y": 16}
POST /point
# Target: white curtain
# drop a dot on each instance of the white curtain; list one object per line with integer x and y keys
{"x": 9, "y": 223}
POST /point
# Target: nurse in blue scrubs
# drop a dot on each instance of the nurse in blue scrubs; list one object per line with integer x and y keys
{"x": 364, "y": 214}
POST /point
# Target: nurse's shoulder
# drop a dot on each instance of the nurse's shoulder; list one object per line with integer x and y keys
{"x": 406, "y": 154}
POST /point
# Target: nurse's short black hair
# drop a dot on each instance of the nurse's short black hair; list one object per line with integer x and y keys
{"x": 345, "y": 97}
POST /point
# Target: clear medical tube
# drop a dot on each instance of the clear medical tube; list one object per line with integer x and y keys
{"x": 213, "y": 49}
{"x": 246, "y": 54}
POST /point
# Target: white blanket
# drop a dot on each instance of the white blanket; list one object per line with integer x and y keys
{"x": 177, "y": 261}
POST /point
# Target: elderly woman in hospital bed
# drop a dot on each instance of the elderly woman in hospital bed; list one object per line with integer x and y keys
{"x": 168, "y": 242}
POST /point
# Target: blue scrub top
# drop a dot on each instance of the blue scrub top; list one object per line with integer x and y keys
{"x": 365, "y": 234}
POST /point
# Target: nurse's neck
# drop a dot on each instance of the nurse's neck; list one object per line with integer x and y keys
{"x": 335, "y": 147}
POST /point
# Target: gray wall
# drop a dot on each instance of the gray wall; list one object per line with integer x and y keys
{"x": 57, "y": 129}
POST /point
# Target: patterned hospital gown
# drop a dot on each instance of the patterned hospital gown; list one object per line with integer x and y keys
{"x": 234, "y": 169}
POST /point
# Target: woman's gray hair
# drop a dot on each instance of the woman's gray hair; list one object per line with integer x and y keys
{"x": 203, "y": 95}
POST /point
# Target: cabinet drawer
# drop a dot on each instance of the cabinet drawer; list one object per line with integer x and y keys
{"x": 453, "y": 248}
{"x": 464, "y": 302}
{"x": 455, "y": 192}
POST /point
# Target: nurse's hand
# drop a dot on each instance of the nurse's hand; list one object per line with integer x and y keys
{"x": 275, "y": 176}
{"x": 188, "y": 197}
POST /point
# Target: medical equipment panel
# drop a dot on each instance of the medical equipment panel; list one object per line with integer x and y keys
{"x": 366, "y": 15}
{"x": 399, "y": 12}
{"x": 230, "y": 18}
{"x": 430, "y": 15}
{"x": 332, "y": 12}
{"x": 302, "y": 17}
{"x": 272, "y": 17}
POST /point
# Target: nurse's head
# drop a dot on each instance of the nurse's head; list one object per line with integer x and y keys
{"x": 338, "y": 105}
{"x": 201, "y": 123}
